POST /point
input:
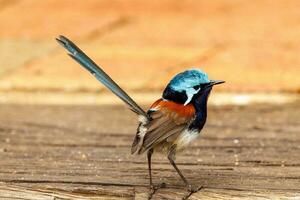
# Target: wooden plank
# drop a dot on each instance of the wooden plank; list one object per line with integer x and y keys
{"x": 82, "y": 152}
{"x": 103, "y": 192}
{"x": 52, "y": 192}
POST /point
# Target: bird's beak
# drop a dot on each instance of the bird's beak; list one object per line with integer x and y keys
{"x": 215, "y": 82}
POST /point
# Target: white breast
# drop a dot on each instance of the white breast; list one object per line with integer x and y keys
{"x": 186, "y": 137}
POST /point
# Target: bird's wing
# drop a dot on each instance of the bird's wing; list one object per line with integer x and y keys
{"x": 168, "y": 119}
{"x": 79, "y": 56}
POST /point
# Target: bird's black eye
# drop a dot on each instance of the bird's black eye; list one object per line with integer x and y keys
{"x": 196, "y": 87}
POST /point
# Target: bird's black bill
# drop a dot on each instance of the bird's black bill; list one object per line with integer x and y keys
{"x": 214, "y": 82}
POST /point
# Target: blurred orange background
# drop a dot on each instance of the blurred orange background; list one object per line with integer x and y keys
{"x": 253, "y": 45}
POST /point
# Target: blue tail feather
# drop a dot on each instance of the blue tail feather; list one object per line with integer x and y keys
{"x": 79, "y": 56}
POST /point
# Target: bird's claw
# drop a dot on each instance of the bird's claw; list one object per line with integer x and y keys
{"x": 154, "y": 188}
{"x": 191, "y": 189}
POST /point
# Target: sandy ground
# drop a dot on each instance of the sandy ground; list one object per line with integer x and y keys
{"x": 252, "y": 45}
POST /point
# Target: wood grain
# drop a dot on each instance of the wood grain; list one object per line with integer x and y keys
{"x": 82, "y": 152}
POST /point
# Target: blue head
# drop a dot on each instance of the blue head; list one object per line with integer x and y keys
{"x": 187, "y": 85}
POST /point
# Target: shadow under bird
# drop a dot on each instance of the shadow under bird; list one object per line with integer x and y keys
{"x": 172, "y": 121}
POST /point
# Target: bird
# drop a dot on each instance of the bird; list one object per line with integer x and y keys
{"x": 171, "y": 123}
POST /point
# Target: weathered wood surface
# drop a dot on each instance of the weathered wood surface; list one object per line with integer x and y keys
{"x": 82, "y": 152}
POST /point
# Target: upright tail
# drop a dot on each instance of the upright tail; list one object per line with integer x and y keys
{"x": 79, "y": 56}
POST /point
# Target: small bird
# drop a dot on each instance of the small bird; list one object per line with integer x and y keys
{"x": 171, "y": 123}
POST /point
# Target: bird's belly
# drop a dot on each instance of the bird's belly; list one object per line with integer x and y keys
{"x": 181, "y": 141}
{"x": 185, "y": 138}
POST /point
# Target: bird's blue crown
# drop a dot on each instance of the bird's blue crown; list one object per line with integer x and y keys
{"x": 188, "y": 79}
{"x": 182, "y": 87}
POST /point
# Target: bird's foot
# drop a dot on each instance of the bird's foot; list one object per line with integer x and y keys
{"x": 191, "y": 190}
{"x": 154, "y": 188}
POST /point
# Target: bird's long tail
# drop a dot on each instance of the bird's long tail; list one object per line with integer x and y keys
{"x": 79, "y": 56}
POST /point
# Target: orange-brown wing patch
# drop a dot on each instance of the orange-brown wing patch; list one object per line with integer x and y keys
{"x": 155, "y": 104}
{"x": 178, "y": 112}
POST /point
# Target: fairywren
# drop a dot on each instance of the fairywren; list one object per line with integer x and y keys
{"x": 172, "y": 121}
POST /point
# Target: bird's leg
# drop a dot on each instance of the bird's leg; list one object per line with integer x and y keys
{"x": 190, "y": 188}
{"x": 149, "y": 155}
{"x": 153, "y": 188}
